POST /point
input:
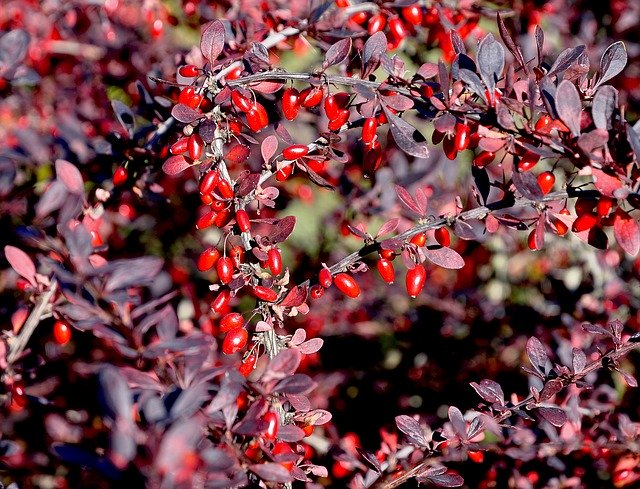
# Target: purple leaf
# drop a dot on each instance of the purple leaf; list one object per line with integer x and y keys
{"x": 412, "y": 429}
{"x": 70, "y": 176}
{"x": 511, "y": 45}
{"x": 550, "y": 389}
{"x": 116, "y": 393}
{"x": 295, "y": 384}
{"x": 175, "y": 165}
{"x": 13, "y": 48}
{"x": 186, "y": 114}
{"x": 569, "y": 106}
{"x": 133, "y": 272}
{"x": 489, "y": 390}
{"x": 539, "y": 35}
{"x": 473, "y": 82}
{"x": 311, "y": 346}
{"x": 527, "y": 184}
{"x": 290, "y": 433}
{"x": 272, "y": 472}
{"x": 458, "y": 422}
{"x": 594, "y": 329}
{"x": 448, "y": 479}
{"x": 286, "y": 362}
{"x": 613, "y": 61}
{"x": 403, "y": 135}
{"x": 212, "y": 40}
{"x": 21, "y": 263}
{"x": 375, "y": 47}
{"x": 337, "y": 53}
{"x": 445, "y": 257}
{"x": 406, "y": 198}
{"x": 490, "y": 62}
{"x": 296, "y": 296}
{"x": 578, "y": 360}
{"x": 370, "y": 460}
{"x": 247, "y": 184}
{"x": 604, "y": 105}
{"x": 125, "y": 116}
{"x": 566, "y": 59}
{"x": 627, "y": 232}
{"x": 282, "y": 229}
{"x": 555, "y": 416}
{"x": 536, "y": 353}
{"x": 269, "y": 147}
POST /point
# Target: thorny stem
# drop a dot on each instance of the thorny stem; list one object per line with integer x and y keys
{"x": 20, "y": 343}
{"x": 614, "y": 355}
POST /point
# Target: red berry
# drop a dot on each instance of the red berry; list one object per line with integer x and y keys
{"x": 223, "y": 218}
{"x": 341, "y": 119}
{"x": 273, "y": 423}
{"x": 310, "y": 97}
{"x": 234, "y": 74}
{"x": 605, "y": 204}
{"x": 543, "y": 121}
{"x": 325, "y": 278}
{"x": 561, "y": 227}
{"x": 290, "y": 103}
{"x": 208, "y": 258}
{"x": 347, "y": 285}
{"x": 242, "y": 219}
{"x": 206, "y": 220}
{"x": 283, "y": 173}
{"x": 274, "y": 260}
{"x": 397, "y": 28}
{"x": 257, "y": 118}
{"x": 295, "y": 151}
{"x": 476, "y": 456}
{"x": 209, "y": 182}
{"x": 413, "y": 14}
{"x": 317, "y": 291}
{"x": 386, "y": 271}
{"x": 231, "y": 321}
{"x": 224, "y": 267}
{"x": 248, "y": 364}
{"x": 334, "y": 103}
{"x": 188, "y": 71}
{"x": 369, "y": 130}
{"x": 264, "y": 293}
{"x": 419, "y": 239}
{"x": 120, "y": 176}
{"x": 484, "y": 158}
{"x": 18, "y": 394}
{"x": 195, "y": 146}
{"x": 372, "y": 158}
{"x": 217, "y": 205}
{"x": 179, "y": 147}
{"x": 225, "y": 189}
{"x": 221, "y": 301}
{"x": 463, "y": 133}
{"x": 531, "y": 240}
{"x": 359, "y": 17}
{"x": 235, "y": 341}
{"x": 584, "y": 222}
{"x": 449, "y": 147}
{"x": 62, "y": 332}
{"x": 546, "y": 180}
{"x": 342, "y": 3}
{"x": 387, "y": 254}
{"x": 442, "y": 236}
{"x": 528, "y": 161}
{"x": 415, "y": 280}
{"x": 376, "y": 23}
{"x": 241, "y": 102}
{"x": 186, "y": 96}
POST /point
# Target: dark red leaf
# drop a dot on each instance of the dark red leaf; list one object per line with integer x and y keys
{"x": 272, "y": 472}
{"x": 627, "y": 232}
{"x": 337, "y": 53}
{"x": 536, "y": 353}
{"x": 569, "y": 106}
{"x": 21, "y": 263}
{"x": 282, "y": 229}
{"x": 286, "y": 362}
{"x": 186, "y": 114}
{"x": 412, "y": 429}
{"x": 406, "y": 198}
{"x": 70, "y": 176}
{"x": 445, "y": 257}
{"x": 295, "y": 297}
{"x": 212, "y": 40}
{"x": 555, "y": 416}
{"x": 404, "y": 135}
{"x": 175, "y": 165}
{"x": 269, "y": 147}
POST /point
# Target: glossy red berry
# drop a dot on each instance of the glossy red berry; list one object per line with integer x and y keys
{"x": 234, "y": 341}
{"x": 283, "y": 173}
{"x": 412, "y": 14}
{"x": 476, "y": 456}
{"x": 340, "y": 120}
{"x": 248, "y": 364}
{"x": 18, "y": 394}
{"x": 311, "y": 97}
{"x": 195, "y": 146}
{"x": 462, "y": 137}
{"x": 376, "y": 23}
{"x": 208, "y": 258}
{"x": 347, "y": 285}
{"x": 584, "y": 222}
{"x": 120, "y": 176}
{"x": 561, "y": 227}
{"x": 257, "y": 118}
{"x": 325, "y": 278}
{"x": 531, "y": 240}
{"x": 241, "y": 102}
{"x": 369, "y": 130}
{"x": 295, "y": 151}
{"x": 221, "y": 301}
{"x": 483, "y": 158}
{"x": 209, "y": 182}
{"x": 449, "y": 147}
{"x": 604, "y": 206}
{"x": 543, "y": 122}
{"x": 442, "y": 236}
{"x": 387, "y": 254}
{"x": 206, "y": 220}
{"x": 316, "y": 291}
{"x": 273, "y": 424}
{"x": 186, "y": 96}
{"x": 546, "y": 180}
{"x": 179, "y": 147}
{"x": 290, "y": 103}
{"x": 188, "y": 71}
{"x": 231, "y": 321}
{"x": 264, "y": 293}
{"x": 62, "y": 332}
{"x": 274, "y": 260}
{"x": 224, "y": 267}
{"x": 397, "y": 29}
{"x": 528, "y": 161}
{"x": 372, "y": 158}
{"x": 419, "y": 239}
{"x": 415, "y": 280}
{"x": 242, "y": 219}
{"x": 234, "y": 74}
{"x": 386, "y": 270}
{"x": 223, "y": 218}
{"x": 225, "y": 189}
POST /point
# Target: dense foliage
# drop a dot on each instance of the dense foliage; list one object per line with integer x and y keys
{"x": 312, "y": 244}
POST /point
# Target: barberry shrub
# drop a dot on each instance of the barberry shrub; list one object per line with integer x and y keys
{"x": 196, "y": 197}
